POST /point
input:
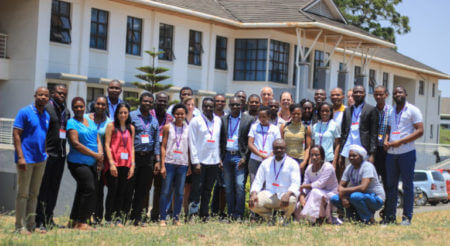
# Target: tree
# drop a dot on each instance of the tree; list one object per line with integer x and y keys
{"x": 378, "y": 17}
{"x": 153, "y": 76}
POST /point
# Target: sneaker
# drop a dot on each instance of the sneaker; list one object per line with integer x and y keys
{"x": 177, "y": 223}
{"x": 42, "y": 229}
{"x": 336, "y": 221}
{"x": 405, "y": 222}
{"x": 22, "y": 231}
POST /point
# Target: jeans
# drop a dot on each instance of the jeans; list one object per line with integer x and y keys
{"x": 400, "y": 166}
{"x": 143, "y": 177}
{"x": 48, "y": 193}
{"x": 28, "y": 183}
{"x": 365, "y": 204}
{"x": 234, "y": 185}
{"x": 175, "y": 178}
{"x": 202, "y": 185}
{"x": 217, "y": 204}
{"x": 85, "y": 197}
{"x": 380, "y": 164}
{"x": 118, "y": 199}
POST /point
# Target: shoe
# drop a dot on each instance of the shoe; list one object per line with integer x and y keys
{"x": 177, "y": 223}
{"x": 139, "y": 224}
{"x": 405, "y": 222}
{"x": 42, "y": 229}
{"x": 22, "y": 231}
{"x": 386, "y": 221}
{"x": 162, "y": 223}
{"x": 336, "y": 221}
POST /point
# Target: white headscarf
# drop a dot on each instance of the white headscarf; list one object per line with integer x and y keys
{"x": 358, "y": 149}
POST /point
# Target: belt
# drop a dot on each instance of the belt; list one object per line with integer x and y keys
{"x": 143, "y": 153}
{"x": 233, "y": 152}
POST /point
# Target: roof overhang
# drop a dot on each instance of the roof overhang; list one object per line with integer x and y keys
{"x": 66, "y": 76}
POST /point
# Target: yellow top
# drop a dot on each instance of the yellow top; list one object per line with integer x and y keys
{"x": 294, "y": 136}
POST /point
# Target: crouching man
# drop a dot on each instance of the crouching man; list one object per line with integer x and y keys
{"x": 281, "y": 176}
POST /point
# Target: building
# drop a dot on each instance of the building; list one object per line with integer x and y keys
{"x": 445, "y": 112}
{"x": 210, "y": 45}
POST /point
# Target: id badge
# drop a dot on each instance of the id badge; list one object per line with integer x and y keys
{"x": 275, "y": 184}
{"x": 62, "y": 134}
{"x": 177, "y": 154}
{"x": 395, "y": 136}
{"x": 211, "y": 143}
{"x": 145, "y": 139}
{"x": 263, "y": 151}
{"x": 230, "y": 143}
{"x": 355, "y": 126}
{"x": 160, "y": 137}
{"x": 380, "y": 137}
{"x": 124, "y": 156}
{"x": 304, "y": 144}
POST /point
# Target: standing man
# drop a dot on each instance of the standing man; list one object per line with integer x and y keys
{"x": 243, "y": 96}
{"x": 185, "y": 92}
{"x": 254, "y": 103}
{"x": 274, "y": 106}
{"x": 147, "y": 151}
{"x": 29, "y": 135}
{"x": 219, "y": 105}
{"x": 405, "y": 126}
{"x": 204, "y": 137}
{"x": 286, "y": 100}
{"x": 360, "y": 127}
{"x": 234, "y": 153}
{"x": 266, "y": 95}
{"x": 162, "y": 99}
{"x": 337, "y": 98}
{"x": 56, "y": 150}
{"x": 114, "y": 91}
{"x": 320, "y": 96}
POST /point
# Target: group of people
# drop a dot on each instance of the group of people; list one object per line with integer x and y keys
{"x": 314, "y": 161}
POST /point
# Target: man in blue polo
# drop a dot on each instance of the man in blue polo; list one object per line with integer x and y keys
{"x": 29, "y": 134}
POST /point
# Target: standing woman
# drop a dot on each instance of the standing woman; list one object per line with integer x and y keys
{"x": 189, "y": 102}
{"x": 119, "y": 169}
{"x": 297, "y": 136}
{"x": 326, "y": 133}
{"x": 85, "y": 152}
{"x": 174, "y": 163}
{"x": 190, "y": 105}
{"x": 101, "y": 120}
{"x": 307, "y": 112}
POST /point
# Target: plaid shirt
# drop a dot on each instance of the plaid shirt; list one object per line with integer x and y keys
{"x": 384, "y": 117}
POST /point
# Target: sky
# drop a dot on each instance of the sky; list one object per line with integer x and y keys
{"x": 429, "y": 39}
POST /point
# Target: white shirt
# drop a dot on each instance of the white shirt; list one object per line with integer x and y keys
{"x": 204, "y": 146}
{"x": 278, "y": 121}
{"x": 196, "y": 112}
{"x": 288, "y": 177}
{"x": 271, "y": 133}
{"x": 353, "y": 136}
{"x": 402, "y": 125}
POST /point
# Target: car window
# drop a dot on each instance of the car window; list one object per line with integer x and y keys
{"x": 437, "y": 176}
{"x": 446, "y": 175}
{"x": 420, "y": 177}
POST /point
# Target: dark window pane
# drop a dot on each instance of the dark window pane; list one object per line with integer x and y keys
{"x": 93, "y": 28}
{"x": 278, "y": 61}
{"x": 103, "y": 17}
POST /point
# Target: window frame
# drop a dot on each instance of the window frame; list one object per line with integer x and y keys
{"x": 386, "y": 80}
{"x": 166, "y": 34}
{"x": 319, "y": 59}
{"x": 93, "y": 94}
{"x": 195, "y": 48}
{"x": 308, "y": 59}
{"x": 275, "y": 59}
{"x": 57, "y": 26}
{"x": 261, "y": 48}
{"x": 372, "y": 80}
{"x": 221, "y": 62}
{"x": 421, "y": 90}
{"x": 96, "y": 36}
{"x": 357, "y": 75}
{"x": 131, "y": 42}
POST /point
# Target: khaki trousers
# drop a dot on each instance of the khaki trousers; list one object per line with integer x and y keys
{"x": 267, "y": 202}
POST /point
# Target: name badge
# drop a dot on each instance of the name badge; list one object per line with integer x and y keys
{"x": 230, "y": 143}
{"x": 304, "y": 144}
{"x": 145, "y": 139}
{"x": 276, "y": 185}
{"x": 263, "y": 151}
{"x": 62, "y": 134}
{"x": 177, "y": 154}
{"x": 355, "y": 126}
{"x": 395, "y": 136}
{"x": 380, "y": 137}
{"x": 160, "y": 137}
{"x": 211, "y": 143}
{"x": 124, "y": 156}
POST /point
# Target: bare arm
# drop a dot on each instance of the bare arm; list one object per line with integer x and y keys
{"x": 359, "y": 188}
{"x": 282, "y": 130}
{"x": 18, "y": 146}
{"x": 108, "y": 135}
{"x": 308, "y": 147}
{"x": 163, "y": 149}
{"x": 337, "y": 143}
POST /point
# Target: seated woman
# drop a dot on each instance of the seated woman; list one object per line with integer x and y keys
{"x": 360, "y": 191}
{"x": 320, "y": 184}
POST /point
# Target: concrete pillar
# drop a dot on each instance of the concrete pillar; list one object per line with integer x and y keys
{"x": 302, "y": 81}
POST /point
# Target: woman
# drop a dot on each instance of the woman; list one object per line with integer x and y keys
{"x": 189, "y": 102}
{"x": 297, "y": 136}
{"x": 320, "y": 184}
{"x": 326, "y": 133}
{"x": 307, "y": 112}
{"x": 174, "y": 163}
{"x": 101, "y": 120}
{"x": 119, "y": 169}
{"x": 85, "y": 152}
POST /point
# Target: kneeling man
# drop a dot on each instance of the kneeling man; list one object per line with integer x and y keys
{"x": 281, "y": 175}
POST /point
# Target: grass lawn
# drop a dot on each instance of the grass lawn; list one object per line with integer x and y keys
{"x": 444, "y": 136}
{"x": 430, "y": 228}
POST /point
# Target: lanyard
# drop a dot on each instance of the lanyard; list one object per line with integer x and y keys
{"x": 162, "y": 123}
{"x": 321, "y": 132}
{"x": 145, "y": 126}
{"x": 357, "y": 115}
{"x": 124, "y": 137}
{"x": 355, "y": 182}
{"x": 62, "y": 112}
{"x": 383, "y": 115}
{"x": 279, "y": 170}
{"x": 398, "y": 117}
{"x": 264, "y": 135}
{"x": 233, "y": 129}
{"x": 211, "y": 131}
{"x": 178, "y": 135}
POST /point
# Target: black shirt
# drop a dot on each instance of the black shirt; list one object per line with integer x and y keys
{"x": 59, "y": 115}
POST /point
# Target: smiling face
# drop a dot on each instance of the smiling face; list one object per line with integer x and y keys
{"x": 180, "y": 115}
{"x": 208, "y": 108}
{"x": 41, "y": 97}
{"x": 190, "y": 105}
{"x": 279, "y": 149}
{"x": 320, "y": 96}
{"x": 286, "y": 100}
{"x": 325, "y": 112}
{"x": 219, "y": 103}
{"x": 59, "y": 94}
{"x": 380, "y": 95}
{"x": 399, "y": 95}
{"x": 337, "y": 96}
{"x": 307, "y": 110}
{"x": 316, "y": 157}
{"x": 235, "y": 106}
{"x": 274, "y": 106}
{"x": 123, "y": 114}
{"x": 100, "y": 105}
{"x": 266, "y": 95}
{"x": 296, "y": 115}
{"x": 78, "y": 109}
{"x": 146, "y": 103}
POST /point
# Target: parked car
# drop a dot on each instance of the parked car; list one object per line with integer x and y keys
{"x": 446, "y": 174}
{"x": 432, "y": 184}
{"x": 419, "y": 196}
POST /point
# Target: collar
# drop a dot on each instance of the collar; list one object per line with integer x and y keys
{"x": 282, "y": 160}
{"x": 235, "y": 117}
{"x": 204, "y": 117}
{"x": 139, "y": 113}
{"x": 110, "y": 103}
{"x": 360, "y": 106}
{"x": 341, "y": 109}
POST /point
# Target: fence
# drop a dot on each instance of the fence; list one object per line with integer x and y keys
{"x": 6, "y": 126}
{"x": 3, "y": 39}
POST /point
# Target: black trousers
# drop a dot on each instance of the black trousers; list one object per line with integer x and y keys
{"x": 202, "y": 185}
{"x": 118, "y": 199}
{"x": 48, "y": 193}
{"x": 380, "y": 164}
{"x": 143, "y": 177}
{"x": 85, "y": 199}
{"x": 100, "y": 198}
{"x": 157, "y": 185}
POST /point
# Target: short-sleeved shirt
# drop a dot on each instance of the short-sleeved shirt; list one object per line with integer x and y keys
{"x": 145, "y": 126}
{"x": 101, "y": 128}
{"x": 35, "y": 126}
{"x": 324, "y": 134}
{"x": 366, "y": 170}
{"x": 263, "y": 138}
{"x": 402, "y": 125}
{"x": 87, "y": 136}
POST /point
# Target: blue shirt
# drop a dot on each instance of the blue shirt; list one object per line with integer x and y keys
{"x": 35, "y": 127}
{"x": 112, "y": 107}
{"x": 145, "y": 126}
{"x": 87, "y": 136}
{"x": 233, "y": 137}
{"x": 101, "y": 128}
{"x": 324, "y": 134}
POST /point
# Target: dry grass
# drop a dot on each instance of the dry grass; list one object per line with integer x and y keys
{"x": 430, "y": 228}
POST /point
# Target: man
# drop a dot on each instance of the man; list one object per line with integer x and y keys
{"x": 319, "y": 97}
{"x": 185, "y": 92}
{"x": 405, "y": 126}
{"x": 350, "y": 100}
{"x": 384, "y": 111}
{"x": 234, "y": 154}
{"x": 266, "y": 95}
{"x": 159, "y": 112}
{"x": 359, "y": 126}
{"x": 281, "y": 176}
{"x": 243, "y": 96}
{"x": 56, "y": 150}
{"x": 147, "y": 152}
{"x": 219, "y": 105}
{"x": 114, "y": 91}
{"x": 29, "y": 135}
{"x": 204, "y": 137}
{"x": 274, "y": 106}
{"x": 337, "y": 98}
{"x": 254, "y": 103}
{"x": 286, "y": 100}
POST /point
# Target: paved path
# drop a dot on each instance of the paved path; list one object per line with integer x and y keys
{"x": 429, "y": 208}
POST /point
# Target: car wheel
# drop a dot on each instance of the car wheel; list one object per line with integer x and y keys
{"x": 422, "y": 199}
{"x": 434, "y": 203}
{"x": 399, "y": 200}
{"x": 445, "y": 201}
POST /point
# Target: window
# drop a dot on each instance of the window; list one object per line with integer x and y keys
{"x": 420, "y": 176}
{"x": 128, "y": 94}
{"x": 358, "y": 80}
{"x": 372, "y": 80}
{"x": 386, "y": 80}
{"x": 421, "y": 87}
{"x": 431, "y": 131}
{"x": 250, "y": 59}
{"x": 279, "y": 61}
{"x": 60, "y": 22}
{"x": 308, "y": 59}
{"x": 319, "y": 62}
{"x": 195, "y": 48}
{"x": 221, "y": 53}
{"x": 99, "y": 29}
{"x": 166, "y": 42}
{"x": 134, "y": 33}
{"x": 437, "y": 176}
{"x": 93, "y": 93}
{"x": 341, "y": 76}
{"x": 434, "y": 90}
